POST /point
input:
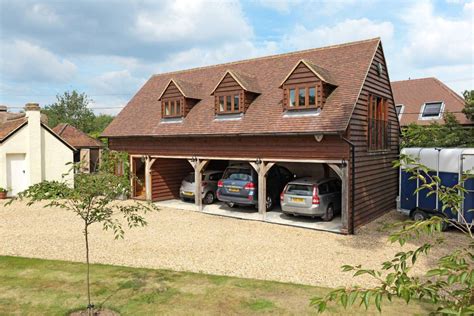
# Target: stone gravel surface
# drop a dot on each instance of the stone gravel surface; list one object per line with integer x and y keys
{"x": 192, "y": 241}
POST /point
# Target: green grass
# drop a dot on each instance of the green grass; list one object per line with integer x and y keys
{"x": 47, "y": 287}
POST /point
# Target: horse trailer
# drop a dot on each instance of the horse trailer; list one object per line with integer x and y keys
{"x": 449, "y": 164}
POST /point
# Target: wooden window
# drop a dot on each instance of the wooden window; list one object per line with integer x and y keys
{"x": 236, "y": 103}
{"x": 172, "y": 107}
{"x": 228, "y": 103}
{"x": 378, "y": 124}
{"x": 221, "y": 104}
{"x": 119, "y": 168}
{"x": 301, "y": 97}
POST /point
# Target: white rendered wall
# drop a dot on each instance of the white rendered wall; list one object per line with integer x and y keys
{"x": 57, "y": 158}
{"x": 15, "y": 144}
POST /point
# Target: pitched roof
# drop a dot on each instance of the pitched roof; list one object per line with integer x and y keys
{"x": 76, "y": 137}
{"x": 348, "y": 65}
{"x": 247, "y": 82}
{"x": 320, "y": 72}
{"x": 10, "y": 126}
{"x": 414, "y": 93}
{"x": 187, "y": 89}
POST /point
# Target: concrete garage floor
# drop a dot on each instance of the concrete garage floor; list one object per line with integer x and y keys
{"x": 275, "y": 216}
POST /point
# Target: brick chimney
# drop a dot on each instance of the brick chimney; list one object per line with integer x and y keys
{"x": 35, "y": 147}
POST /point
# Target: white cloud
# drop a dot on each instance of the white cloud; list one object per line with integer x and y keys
{"x": 116, "y": 82}
{"x": 192, "y": 21}
{"x": 437, "y": 40}
{"x": 348, "y": 30}
{"x": 23, "y": 61}
{"x": 325, "y": 7}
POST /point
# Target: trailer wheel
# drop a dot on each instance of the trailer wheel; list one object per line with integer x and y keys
{"x": 419, "y": 215}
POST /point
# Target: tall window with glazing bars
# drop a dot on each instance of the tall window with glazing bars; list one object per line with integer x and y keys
{"x": 378, "y": 124}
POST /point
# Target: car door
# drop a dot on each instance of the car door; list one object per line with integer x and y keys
{"x": 324, "y": 195}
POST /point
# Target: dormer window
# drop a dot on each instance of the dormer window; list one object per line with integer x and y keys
{"x": 172, "y": 107}
{"x": 229, "y": 103}
{"x": 306, "y": 87}
{"x": 303, "y": 97}
{"x": 178, "y": 98}
{"x": 234, "y": 93}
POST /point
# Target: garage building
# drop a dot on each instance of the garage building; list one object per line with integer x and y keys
{"x": 329, "y": 109}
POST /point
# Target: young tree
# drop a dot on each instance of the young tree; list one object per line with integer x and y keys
{"x": 93, "y": 199}
{"x": 449, "y": 287}
{"x": 469, "y": 105}
{"x": 71, "y": 107}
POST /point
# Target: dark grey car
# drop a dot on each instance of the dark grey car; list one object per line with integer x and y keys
{"x": 312, "y": 197}
{"x": 208, "y": 184}
{"x": 238, "y": 185}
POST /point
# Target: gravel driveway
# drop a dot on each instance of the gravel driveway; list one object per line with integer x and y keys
{"x": 191, "y": 241}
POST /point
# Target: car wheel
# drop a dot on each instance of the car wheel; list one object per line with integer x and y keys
{"x": 329, "y": 215}
{"x": 209, "y": 198}
{"x": 230, "y": 204}
{"x": 419, "y": 215}
{"x": 269, "y": 203}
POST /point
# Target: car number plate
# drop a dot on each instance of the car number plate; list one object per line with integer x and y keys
{"x": 234, "y": 189}
{"x": 297, "y": 200}
{"x": 188, "y": 193}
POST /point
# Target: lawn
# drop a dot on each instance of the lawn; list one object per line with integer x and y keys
{"x": 49, "y": 287}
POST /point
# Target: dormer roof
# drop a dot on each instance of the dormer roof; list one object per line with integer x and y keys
{"x": 247, "y": 82}
{"x": 318, "y": 71}
{"x": 188, "y": 89}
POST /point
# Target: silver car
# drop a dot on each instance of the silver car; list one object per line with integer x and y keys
{"x": 209, "y": 186}
{"x": 312, "y": 197}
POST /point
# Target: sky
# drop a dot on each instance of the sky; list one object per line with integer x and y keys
{"x": 109, "y": 48}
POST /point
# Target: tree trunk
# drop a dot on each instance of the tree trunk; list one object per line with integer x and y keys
{"x": 89, "y": 305}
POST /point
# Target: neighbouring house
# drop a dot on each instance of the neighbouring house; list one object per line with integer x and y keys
{"x": 88, "y": 149}
{"x": 425, "y": 100}
{"x": 319, "y": 111}
{"x": 30, "y": 152}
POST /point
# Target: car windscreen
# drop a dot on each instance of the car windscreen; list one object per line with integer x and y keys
{"x": 238, "y": 174}
{"x": 300, "y": 189}
{"x": 190, "y": 178}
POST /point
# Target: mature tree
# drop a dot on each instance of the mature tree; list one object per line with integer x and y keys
{"x": 101, "y": 121}
{"x": 469, "y": 105}
{"x": 449, "y": 287}
{"x": 93, "y": 200}
{"x": 71, "y": 107}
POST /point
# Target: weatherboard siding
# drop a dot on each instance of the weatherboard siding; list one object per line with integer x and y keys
{"x": 376, "y": 181}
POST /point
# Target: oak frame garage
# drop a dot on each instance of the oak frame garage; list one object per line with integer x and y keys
{"x": 331, "y": 106}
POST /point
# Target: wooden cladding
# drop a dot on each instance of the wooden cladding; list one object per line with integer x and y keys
{"x": 378, "y": 124}
{"x": 166, "y": 177}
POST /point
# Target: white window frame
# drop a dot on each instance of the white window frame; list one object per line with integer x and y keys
{"x": 401, "y": 110}
{"x": 440, "y": 115}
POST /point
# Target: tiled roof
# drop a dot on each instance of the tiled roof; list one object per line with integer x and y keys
{"x": 76, "y": 137}
{"x": 416, "y": 92}
{"x": 347, "y": 65}
{"x": 188, "y": 89}
{"x": 10, "y": 126}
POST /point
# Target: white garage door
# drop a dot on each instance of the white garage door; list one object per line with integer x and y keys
{"x": 16, "y": 173}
